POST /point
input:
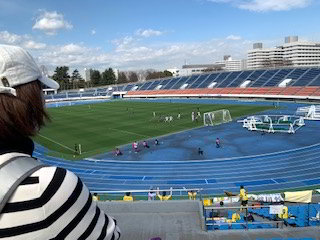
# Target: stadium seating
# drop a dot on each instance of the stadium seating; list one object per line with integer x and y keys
{"x": 303, "y": 83}
{"x": 280, "y": 83}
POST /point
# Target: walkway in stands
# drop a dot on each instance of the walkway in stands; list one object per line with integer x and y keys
{"x": 288, "y": 161}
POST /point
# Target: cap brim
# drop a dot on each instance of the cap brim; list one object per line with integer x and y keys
{"x": 49, "y": 82}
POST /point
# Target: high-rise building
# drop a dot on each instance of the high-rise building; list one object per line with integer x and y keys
{"x": 264, "y": 57}
{"x": 87, "y": 74}
{"x": 291, "y": 39}
{"x": 302, "y": 54}
{"x": 292, "y": 53}
{"x": 257, "y": 45}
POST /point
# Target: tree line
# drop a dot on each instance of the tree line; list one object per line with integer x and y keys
{"x": 107, "y": 77}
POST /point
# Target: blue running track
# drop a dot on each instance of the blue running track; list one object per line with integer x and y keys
{"x": 262, "y": 163}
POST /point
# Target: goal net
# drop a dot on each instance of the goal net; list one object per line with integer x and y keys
{"x": 216, "y": 117}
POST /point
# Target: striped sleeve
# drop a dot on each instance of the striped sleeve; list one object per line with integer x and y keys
{"x": 54, "y": 204}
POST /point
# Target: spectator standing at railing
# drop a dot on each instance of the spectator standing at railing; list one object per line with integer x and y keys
{"x": 164, "y": 196}
{"x": 95, "y": 197}
{"x": 243, "y": 197}
{"x": 192, "y": 194}
{"x": 151, "y": 195}
{"x": 38, "y": 201}
{"x": 128, "y": 197}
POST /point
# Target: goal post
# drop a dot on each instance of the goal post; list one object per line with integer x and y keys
{"x": 216, "y": 117}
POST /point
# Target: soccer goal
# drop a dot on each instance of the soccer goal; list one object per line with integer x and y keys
{"x": 216, "y": 117}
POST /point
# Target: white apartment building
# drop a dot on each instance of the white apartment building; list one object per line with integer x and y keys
{"x": 299, "y": 54}
{"x": 259, "y": 57}
{"x": 230, "y": 64}
{"x": 302, "y": 54}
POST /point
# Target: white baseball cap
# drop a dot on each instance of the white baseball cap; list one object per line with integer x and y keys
{"x": 17, "y": 67}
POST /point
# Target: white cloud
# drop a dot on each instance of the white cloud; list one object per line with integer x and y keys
{"x": 130, "y": 53}
{"x": 72, "y": 49}
{"x": 22, "y": 40}
{"x": 233, "y": 37}
{"x": 51, "y": 22}
{"x": 9, "y": 38}
{"x": 148, "y": 33}
{"x": 34, "y": 45}
{"x": 266, "y": 5}
{"x": 123, "y": 43}
{"x": 274, "y": 5}
{"x": 93, "y": 32}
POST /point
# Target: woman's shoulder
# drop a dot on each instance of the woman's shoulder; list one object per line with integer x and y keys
{"x": 53, "y": 175}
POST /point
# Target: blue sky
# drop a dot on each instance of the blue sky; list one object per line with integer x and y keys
{"x": 143, "y": 34}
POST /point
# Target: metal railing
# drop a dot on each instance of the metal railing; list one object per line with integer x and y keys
{"x": 143, "y": 193}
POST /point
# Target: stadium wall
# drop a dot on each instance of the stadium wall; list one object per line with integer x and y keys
{"x": 292, "y": 93}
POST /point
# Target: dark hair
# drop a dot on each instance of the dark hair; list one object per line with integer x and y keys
{"x": 128, "y": 193}
{"x": 241, "y": 187}
{"x": 164, "y": 193}
{"x": 221, "y": 203}
{"x": 22, "y": 115}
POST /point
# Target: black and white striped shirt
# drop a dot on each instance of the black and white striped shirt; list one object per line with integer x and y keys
{"x": 53, "y": 203}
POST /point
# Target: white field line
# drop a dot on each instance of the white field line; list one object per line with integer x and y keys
{"x": 51, "y": 140}
{"x": 132, "y": 133}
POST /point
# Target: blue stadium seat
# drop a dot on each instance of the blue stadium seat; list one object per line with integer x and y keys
{"x": 208, "y": 80}
{"x": 240, "y": 79}
{"x": 199, "y": 81}
{"x": 224, "y": 227}
{"x": 179, "y": 83}
{"x": 231, "y": 77}
{"x": 314, "y": 209}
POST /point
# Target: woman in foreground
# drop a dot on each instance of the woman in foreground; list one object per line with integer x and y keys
{"x": 51, "y": 203}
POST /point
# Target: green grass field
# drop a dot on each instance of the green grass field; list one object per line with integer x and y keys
{"x": 101, "y": 127}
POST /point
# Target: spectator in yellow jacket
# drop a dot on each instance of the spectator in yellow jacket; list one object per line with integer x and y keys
{"x": 284, "y": 213}
{"x": 243, "y": 197}
{"x": 95, "y": 197}
{"x": 164, "y": 196}
{"x": 128, "y": 197}
{"x": 192, "y": 195}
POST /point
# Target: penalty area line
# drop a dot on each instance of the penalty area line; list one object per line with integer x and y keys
{"x": 51, "y": 140}
{"x": 132, "y": 133}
